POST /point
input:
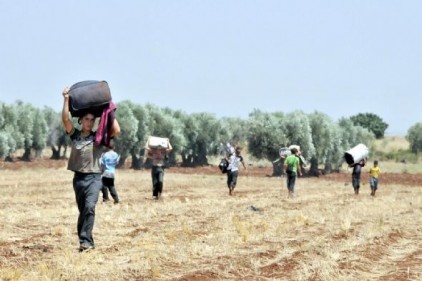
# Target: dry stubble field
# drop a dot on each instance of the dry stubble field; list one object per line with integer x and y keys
{"x": 198, "y": 232}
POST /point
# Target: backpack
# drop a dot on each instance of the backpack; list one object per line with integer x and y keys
{"x": 223, "y": 165}
{"x": 289, "y": 170}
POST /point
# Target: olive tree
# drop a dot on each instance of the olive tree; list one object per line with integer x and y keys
{"x": 234, "y": 130}
{"x": 334, "y": 158}
{"x": 128, "y": 138}
{"x": 135, "y": 150}
{"x": 11, "y": 132}
{"x": 202, "y": 132}
{"x": 25, "y": 126}
{"x": 299, "y": 132}
{"x": 163, "y": 122}
{"x": 325, "y": 139}
{"x": 39, "y": 133}
{"x": 56, "y": 134}
{"x": 414, "y": 136}
{"x": 267, "y": 133}
{"x": 4, "y": 147}
{"x": 7, "y": 143}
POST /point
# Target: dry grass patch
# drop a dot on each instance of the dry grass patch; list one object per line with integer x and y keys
{"x": 391, "y": 143}
{"x": 198, "y": 232}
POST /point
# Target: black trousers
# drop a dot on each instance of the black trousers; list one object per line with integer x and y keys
{"x": 232, "y": 178}
{"x": 157, "y": 175}
{"x": 87, "y": 188}
{"x": 108, "y": 185}
{"x": 291, "y": 181}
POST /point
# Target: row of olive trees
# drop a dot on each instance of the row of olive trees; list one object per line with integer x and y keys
{"x": 194, "y": 137}
{"x": 322, "y": 141}
{"x": 25, "y": 127}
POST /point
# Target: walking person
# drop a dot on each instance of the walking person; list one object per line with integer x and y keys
{"x": 292, "y": 168}
{"x": 84, "y": 162}
{"x": 374, "y": 174}
{"x": 357, "y": 170}
{"x": 158, "y": 156}
{"x": 233, "y": 169}
{"x": 109, "y": 161}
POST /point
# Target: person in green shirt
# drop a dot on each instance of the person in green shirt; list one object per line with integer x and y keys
{"x": 292, "y": 168}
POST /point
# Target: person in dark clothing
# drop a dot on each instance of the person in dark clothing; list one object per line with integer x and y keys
{"x": 84, "y": 162}
{"x": 357, "y": 169}
{"x": 158, "y": 156}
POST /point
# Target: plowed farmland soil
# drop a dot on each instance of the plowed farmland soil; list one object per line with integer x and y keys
{"x": 197, "y": 231}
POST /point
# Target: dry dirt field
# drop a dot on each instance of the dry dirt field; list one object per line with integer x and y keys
{"x": 198, "y": 232}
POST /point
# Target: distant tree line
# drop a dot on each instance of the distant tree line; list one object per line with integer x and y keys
{"x": 196, "y": 136}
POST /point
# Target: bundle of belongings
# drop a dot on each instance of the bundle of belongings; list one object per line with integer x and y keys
{"x": 94, "y": 97}
{"x": 286, "y": 151}
{"x": 356, "y": 154}
{"x": 157, "y": 148}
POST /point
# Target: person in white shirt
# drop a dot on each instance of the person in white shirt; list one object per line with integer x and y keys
{"x": 233, "y": 170}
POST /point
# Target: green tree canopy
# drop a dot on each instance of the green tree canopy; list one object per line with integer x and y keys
{"x": 372, "y": 122}
{"x": 128, "y": 138}
{"x": 267, "y": 134}
{"x": 326, "y": 140}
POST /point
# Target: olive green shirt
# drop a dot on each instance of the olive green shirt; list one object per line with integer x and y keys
{"x": 84, "y": 156}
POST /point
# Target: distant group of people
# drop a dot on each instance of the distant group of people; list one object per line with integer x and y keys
{"x": 94, "y": 168}
{"x": 292, "y": 168}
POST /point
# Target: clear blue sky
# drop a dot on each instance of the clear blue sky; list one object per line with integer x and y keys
{"x": 225, "y": 57}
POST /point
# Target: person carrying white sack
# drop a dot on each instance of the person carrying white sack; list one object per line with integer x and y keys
{"x": 158, "y": 154}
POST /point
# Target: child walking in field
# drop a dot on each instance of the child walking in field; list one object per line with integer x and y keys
{"x": 109, "y": 161}
{"x": 374, "y": 174}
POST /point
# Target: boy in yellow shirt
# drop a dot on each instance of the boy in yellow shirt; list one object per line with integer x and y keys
{"x": 374, "y": 174}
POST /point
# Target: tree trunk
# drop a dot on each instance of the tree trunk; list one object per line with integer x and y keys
{"x": 278, "y": 167}
{"x": 136, "y": 162}
{"x": 38, "y": 153}
{"x": 122, "y": 161}
{"x": 328, "y": 168}
{"x": 27, "y": 155}
{"x": 187, "y": 160}
{"x": 9, "y": 158}
{"x": 201, "y": 160}
{"x": 313, "y": 171}
{"x": 55, "y": 153}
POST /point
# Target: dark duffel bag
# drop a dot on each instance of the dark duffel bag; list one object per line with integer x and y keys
{"x": 224, "y": 164}
{"x": 89, "y": 97}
